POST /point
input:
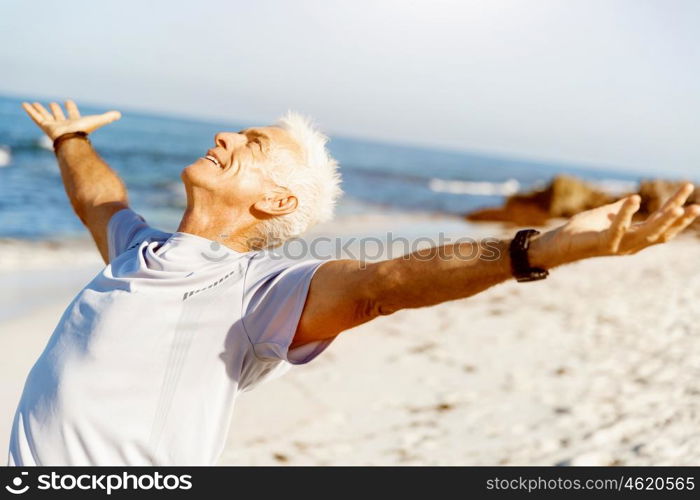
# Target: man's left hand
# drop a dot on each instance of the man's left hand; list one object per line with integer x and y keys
{"x": 609, "y": 230}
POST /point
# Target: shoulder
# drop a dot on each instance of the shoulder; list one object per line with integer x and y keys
{"x": 266, "y": 264}
{"x": 127, "y": 229}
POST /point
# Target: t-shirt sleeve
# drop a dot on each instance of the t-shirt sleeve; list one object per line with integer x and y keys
{"x": 126, "y": 229}
{"x": 275, "y": 294}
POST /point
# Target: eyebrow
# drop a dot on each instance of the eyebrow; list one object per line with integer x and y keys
{"x": 255, "y": 133}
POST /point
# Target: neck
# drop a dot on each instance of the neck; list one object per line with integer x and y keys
{"x": 233, "y": 230}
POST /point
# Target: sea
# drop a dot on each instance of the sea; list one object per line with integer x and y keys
{"x": 149, "y": 151}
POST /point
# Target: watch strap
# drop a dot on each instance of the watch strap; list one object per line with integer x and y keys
{"x": 69, "y": 135}
{"x": 519, "y": 261}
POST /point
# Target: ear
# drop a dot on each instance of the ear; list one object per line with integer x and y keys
{"x": 279, "y": 201}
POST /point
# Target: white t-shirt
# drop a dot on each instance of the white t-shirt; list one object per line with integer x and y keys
{"x": 146, "y": 362}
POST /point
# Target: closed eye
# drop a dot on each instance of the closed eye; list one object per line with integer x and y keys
{"x": 260, "y": 140}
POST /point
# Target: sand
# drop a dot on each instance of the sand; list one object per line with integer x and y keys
{"x": 597, "y": 365}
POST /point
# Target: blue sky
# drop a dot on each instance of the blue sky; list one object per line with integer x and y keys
{"x": 599, "y": 82}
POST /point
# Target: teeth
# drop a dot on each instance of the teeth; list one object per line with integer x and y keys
{"x": 213, "y": 160}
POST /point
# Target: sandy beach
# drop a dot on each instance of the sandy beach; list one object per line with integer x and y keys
{"x": 598, "y": 365}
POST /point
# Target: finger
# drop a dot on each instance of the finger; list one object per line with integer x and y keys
{"x": 111, "y": 116}
{"x": 623, "y": 221}
{"x": 662, "y": 224}
{"x": 33, "y": 113}
{"x": 94, "y": 122}
{"x": 72, "y": 109}
{"x": 42, "y": 111}
{"x": 610, "y": 210}
{"x": 57, "y": 111}
{"x": 679, "y": 197}
{"x": 691, "y": 213}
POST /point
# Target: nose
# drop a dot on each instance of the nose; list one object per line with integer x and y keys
{"x": 228, "y": 140}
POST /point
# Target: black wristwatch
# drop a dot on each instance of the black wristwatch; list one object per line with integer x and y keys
{"x": 519, "y": 262}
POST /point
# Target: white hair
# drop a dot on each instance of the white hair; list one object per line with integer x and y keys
{"x": 313, "y": 179}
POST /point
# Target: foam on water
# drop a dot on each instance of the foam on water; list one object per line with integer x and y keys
{"x": 5, "y": 156}
{"x": 507, "y": 188}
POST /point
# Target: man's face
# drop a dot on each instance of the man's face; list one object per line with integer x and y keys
{"x": 234, "y": 171}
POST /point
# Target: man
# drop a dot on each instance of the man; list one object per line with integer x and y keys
{"x": 146, "y": 362}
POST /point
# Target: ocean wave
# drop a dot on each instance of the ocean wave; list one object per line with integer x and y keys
{"x": 615, "y": 186}
{"x": 474, "y": 188}
{"x": 44, "y": 142}
{"x": 5, "y": 156}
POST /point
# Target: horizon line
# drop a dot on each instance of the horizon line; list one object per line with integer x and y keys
{"x": 212, "y": 119}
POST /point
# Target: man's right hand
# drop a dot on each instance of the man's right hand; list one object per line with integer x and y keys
{"x": 55, "y": 124}
{"x": 94, "y": 190}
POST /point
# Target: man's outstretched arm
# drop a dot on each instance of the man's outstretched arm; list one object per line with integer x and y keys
{"x": 93, "y": 188}
{"x": 345, "y": 293}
